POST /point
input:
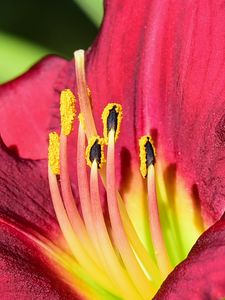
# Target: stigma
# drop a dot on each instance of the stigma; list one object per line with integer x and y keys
{"x": 110, "y": 254}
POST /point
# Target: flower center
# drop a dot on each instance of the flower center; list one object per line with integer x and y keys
{"x": 114, "y": 262}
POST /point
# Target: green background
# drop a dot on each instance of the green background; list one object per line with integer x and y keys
{"x": 30, "y": 29}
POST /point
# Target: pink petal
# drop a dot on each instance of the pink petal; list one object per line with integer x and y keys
{"x": 201, "y": 275}
{"x": 29, "y": 103}
{"x": 24, "y": 194}
{"x": 25, "y": 272}
{"x": 164, "y": 60}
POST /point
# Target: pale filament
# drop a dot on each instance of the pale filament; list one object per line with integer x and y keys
{"x": 108, "y": 252}
{"x": 155, "y": 226}
{"x": 77, "y": 250}
{"x": 69, "y": 201}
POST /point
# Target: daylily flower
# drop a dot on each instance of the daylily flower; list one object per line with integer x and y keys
{"x": 156, "y": 68}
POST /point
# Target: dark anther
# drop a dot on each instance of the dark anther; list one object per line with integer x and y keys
{"x": 150, "y": 155}
{"x": 112, "y": 119}
{"x": 95, "y": 153}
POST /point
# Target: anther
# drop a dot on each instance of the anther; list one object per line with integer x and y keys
{"x": 94, "y": 151}
{"x": 67, "y": 111}
{"x": 53, "y": 153}
{"x": 147, "y": 154}
{"x": 112, "y": 116}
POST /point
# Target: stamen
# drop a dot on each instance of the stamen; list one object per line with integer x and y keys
{"x": 112, "y": 116}
{"x": 95, "y": 151}
{"x": 112, "y": 263}
{"x": 147, "y": 157}
{"x": 87, "y": 112}
{"x": 70, "y": 203}
{"x": 144, "y": 286}
{"x": 67, "y": 111}
{"x": 134, "y": 251}
{"x": 53, "y": 153}
{"x": 148, "y": 263}
{"x": 147, "y": 154}
{"x": 83, "y": 186}
{"x": 83, "y": 93}
{"x": 155, "y": 225}
{"x": 74, "y": 244}
{"x": 130, "y": 231}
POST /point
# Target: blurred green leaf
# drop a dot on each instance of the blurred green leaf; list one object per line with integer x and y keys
{"x": 93, "y": 9}
{"x": 17, "y": 55}
{"x": 59, "y": 25}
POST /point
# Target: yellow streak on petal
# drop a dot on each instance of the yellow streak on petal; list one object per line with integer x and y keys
{"x": 134, "y": 194}
{"x": 179, "y": 211}
{"x": 53, "y": 153}
{"x": 67, "y": 111}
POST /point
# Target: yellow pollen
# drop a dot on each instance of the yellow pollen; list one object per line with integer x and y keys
{"x": 95, "y": 151}
{"x": 89, "y": 95}
{"x": 82, "y": 121}
{"x": 67, "y": 111}
{"x": 53, "y": 153}
{"x": 143, "y": 153}
{"x": 112, "y": 116}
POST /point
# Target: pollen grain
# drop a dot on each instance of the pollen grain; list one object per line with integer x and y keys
{"x": 53, "y": 153}
{"x": 67, "y": 111}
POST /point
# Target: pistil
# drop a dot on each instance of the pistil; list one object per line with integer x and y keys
{"x": 83, "y": 93}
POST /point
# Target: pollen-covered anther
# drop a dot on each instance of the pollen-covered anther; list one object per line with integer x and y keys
{"x": 147, "y": 154}
{"x": 67, "y": 111}
{"x": 95, "y": 151}
{"x": 111, "y": 117}
{"x": 53, "y": 153}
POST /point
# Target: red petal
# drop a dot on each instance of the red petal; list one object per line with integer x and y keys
{"x": 25, "y": 272}
{"x": 29, "y": 103}
{"x": 201, "y": 275}
{"x": 24, "y": 194}
{"x": 165, "y": 61}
